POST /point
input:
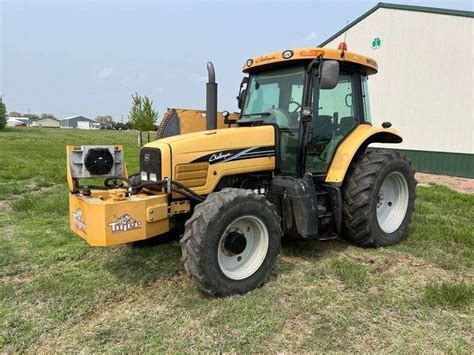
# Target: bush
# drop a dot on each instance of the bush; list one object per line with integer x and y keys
{"x": 3, "y": 115}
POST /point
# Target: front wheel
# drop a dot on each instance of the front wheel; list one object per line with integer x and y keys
{"x": 231, "y": 242}
{"x": 379, "y": 199}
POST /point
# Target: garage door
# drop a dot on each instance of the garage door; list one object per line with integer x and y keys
{"x": 83, "y": 124}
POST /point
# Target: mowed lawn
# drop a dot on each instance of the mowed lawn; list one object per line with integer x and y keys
{"x": 59, "y": 294}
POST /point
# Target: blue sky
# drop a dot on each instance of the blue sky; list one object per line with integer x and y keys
{"x": 88, "y": 57}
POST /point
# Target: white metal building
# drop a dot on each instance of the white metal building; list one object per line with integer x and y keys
{"x": 425, "y": 83}
{"x": 47, "y": 122}
{"x": 82, "y": 122}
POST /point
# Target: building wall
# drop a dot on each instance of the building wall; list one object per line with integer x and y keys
{"x": 77, "y": 122}
{"x": 46, "y": 122}
{"x": 425, "y": 84}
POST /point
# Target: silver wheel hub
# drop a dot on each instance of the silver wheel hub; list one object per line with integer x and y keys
{"x": 392, "y": 202}
{"x": 243, "y": 247}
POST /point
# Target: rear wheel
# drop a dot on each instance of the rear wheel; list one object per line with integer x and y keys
{"x": 379, "y": 197}
{"x": 231, "y": 242}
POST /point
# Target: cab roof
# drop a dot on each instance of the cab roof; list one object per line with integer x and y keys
{"x": 368, "y": 65}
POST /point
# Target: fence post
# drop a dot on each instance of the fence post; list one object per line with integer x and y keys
{"x": 140, "y": 139}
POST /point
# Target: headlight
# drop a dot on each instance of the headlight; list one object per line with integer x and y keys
{"x": 249, "y": 62}
{"x": 287, "y": 54}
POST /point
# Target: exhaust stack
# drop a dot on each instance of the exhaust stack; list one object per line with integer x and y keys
{"x": 211, "y": 98}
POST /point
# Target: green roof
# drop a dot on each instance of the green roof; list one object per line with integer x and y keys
{"x": 383, "y": 5}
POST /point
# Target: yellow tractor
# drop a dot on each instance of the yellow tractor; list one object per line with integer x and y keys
{"x": 295, "y": 163}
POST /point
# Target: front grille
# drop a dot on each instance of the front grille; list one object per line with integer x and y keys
{"x": 150, "y": 162}
{"x": 192, "y": 174}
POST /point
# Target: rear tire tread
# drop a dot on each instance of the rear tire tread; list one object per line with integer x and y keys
{"x": 357, "y": 191}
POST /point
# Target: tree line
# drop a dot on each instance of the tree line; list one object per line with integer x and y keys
{"x": 141, "y": 116}
{"x": 31, "y": 116}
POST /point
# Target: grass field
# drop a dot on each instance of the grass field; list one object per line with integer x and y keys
{"x": 59, "y": 294}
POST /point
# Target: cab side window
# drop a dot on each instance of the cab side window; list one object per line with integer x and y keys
{"x": 336, "y": 116}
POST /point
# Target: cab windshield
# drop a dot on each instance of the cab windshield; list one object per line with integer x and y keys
{"x": 275, "y": 96}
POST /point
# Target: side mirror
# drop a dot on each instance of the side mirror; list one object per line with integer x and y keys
{"x": 329, "y": 74}
{"x": 242, "y": 92}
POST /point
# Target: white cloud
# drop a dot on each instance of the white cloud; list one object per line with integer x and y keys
{"x": 105, "y": 73}
{"x": 311, "y": 36}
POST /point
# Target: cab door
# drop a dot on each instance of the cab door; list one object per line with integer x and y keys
{"x": 335, "y": 115}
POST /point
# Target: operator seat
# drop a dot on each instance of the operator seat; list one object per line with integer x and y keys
{"x": 347, "y": 124}
{"x": 345, "y": 127}
{"x": 323, "y": 129}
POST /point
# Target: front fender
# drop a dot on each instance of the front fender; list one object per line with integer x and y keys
{"x": 357, "y": 140}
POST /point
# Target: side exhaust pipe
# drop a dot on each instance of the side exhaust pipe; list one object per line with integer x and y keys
{"x": 211, "y": 98}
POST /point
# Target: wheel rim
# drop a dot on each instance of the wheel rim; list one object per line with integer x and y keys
{"x": 243, "y": 247}
{"x": 392, "y": 202}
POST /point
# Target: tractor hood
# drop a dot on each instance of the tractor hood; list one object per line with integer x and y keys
{"x": 200, "y": 160}
{"x": 207, "y": 142}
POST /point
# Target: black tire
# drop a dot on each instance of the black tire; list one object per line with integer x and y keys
{"x": 360, "y": 193}
{"x": 202, "y": 240}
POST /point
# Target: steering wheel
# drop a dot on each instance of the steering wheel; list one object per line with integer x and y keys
{"x": 298, "y": 106}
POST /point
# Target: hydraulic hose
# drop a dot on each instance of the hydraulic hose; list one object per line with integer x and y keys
{"x": 188, "y": 190}
{"x": 193, "y": 196}
{"x": 134, "y": 189}
{"x": 137, "y": 188}
{"x": 110, "y": 178}
{"x": 181, "y": 189}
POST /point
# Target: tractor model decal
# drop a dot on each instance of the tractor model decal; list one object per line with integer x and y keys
{"x": 79, "y": 221}
{"x": 219, "y": 156}
{"x": 237, "y": 154}
{"x": 124, "y": 223}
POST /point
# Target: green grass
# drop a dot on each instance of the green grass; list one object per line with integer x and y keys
{"x": 449, "y": 294}
{"x": 350, "y": 273}
{"x": 59, "y": 294}
{"x": 39, "y": 160}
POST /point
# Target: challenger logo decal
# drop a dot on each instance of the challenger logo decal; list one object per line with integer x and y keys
{"x": 219, "y": 156}
{"x": 237, "y": 154}
{"x": 124, "y": 223}
{"x": 79, "y": 221}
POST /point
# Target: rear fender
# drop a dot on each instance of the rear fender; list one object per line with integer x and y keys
{"x": 357, "y": 141}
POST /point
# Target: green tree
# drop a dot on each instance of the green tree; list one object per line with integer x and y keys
{"x": 3, "y": 114}
{"x": 142, "y": 116}
{"x": 14, "y": 114}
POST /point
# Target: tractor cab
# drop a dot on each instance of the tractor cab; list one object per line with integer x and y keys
{"x": 315, "y": 97}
